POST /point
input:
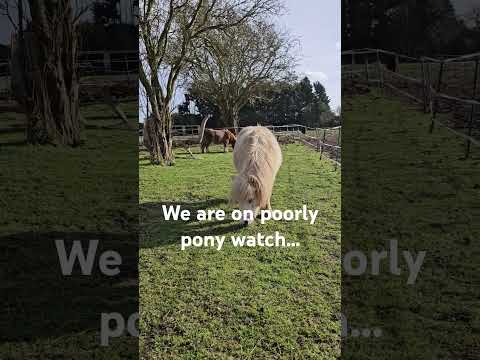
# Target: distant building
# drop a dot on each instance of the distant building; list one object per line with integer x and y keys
{"x": 127, "y": 12}
{"x": 127, "y": 9}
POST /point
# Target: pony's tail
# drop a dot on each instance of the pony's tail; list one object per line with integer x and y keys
{"x": 202, "y": 127}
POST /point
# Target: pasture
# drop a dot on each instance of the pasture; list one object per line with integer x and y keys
{"x": 104, "y": 161}
{"x": 45, "y": 189}
{"x": 448, "y": 90}
{"x": 239, "y": 303}
{"x": 457, "y": 79}
{"x": 401, "y": 182}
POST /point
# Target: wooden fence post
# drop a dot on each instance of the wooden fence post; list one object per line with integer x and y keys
{"x": 353, "y": 66}
{"x": 472, "y": 110}
{"x": 380, "y": 70}
{"x": 323, "y": 142}
{"x": 107, "y": 62}
{"x": 337, "y": 150}
{"x": 127, "y": 65}
{"x": 366, "y": 69}
{"x": 428, "y": 78}
{"x": 435, "y": 101}
{"x": 424, "y": 82}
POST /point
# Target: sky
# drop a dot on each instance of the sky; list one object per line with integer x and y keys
{"x": 316, "y": 24}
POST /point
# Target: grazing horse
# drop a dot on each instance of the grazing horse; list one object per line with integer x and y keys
{"x": 217, "y": 137}
{"x": 257, "y": 158}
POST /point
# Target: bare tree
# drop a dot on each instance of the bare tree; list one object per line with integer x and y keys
{"x": 53, "y": 115}
{"x": 235, "y": 66}
{"x": 45, "y": 73}
{"x": 169, "y": 31}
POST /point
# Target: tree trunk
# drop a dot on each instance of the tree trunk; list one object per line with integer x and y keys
{"x": 236, "y": 122}
{"x": 51, "y": 100}
{"x": 151, "y": 139}
{"x": 165, "y": 139}
{"x": 230, "y": 117}
{"x": 158, "y": 140}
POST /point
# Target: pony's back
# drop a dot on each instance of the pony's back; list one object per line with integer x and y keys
{"x": 257, "y": 146}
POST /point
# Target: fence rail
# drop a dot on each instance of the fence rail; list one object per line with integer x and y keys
{"x": 327, "y": 141}
{"x": 194, "y": 129}
{"x": 324, "y": 140}
{"x": 124, "y": 64}
{"x": 446, "y": 87}
{"x": 99, "y": 62}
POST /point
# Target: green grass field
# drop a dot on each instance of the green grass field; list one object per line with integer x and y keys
{"x": 239, "y": 303}
{"x": 457, "y": 79}
{"x": 45, "y": 189}
{"x": 401, "y": 182}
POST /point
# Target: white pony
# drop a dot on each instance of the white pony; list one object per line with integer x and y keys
{"x": 257, "y": 158}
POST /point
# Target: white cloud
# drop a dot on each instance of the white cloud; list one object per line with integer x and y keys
{"x": 316, "y": 76}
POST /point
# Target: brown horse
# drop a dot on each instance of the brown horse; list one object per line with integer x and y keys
{"x": 223, "y": 136}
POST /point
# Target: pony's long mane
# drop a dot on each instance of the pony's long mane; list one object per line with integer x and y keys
{"x": 258, "y": 171}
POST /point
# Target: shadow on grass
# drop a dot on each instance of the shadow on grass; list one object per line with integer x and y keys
{"x": 181, "y": 155}
{"x": 156, "y": 231}
{"x": 217, "y": 152}
{"x": 14, "y": 143}
{"x": 144, "y": 161}
{"x": 40, "y": 302}
{"x": 198, "y": 155}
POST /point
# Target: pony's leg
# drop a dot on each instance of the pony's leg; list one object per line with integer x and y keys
{"x": 187, "y": 148}
{"x": 225, "y": 149}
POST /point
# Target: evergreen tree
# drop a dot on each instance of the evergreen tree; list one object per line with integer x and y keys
{"x": 305, "y": 94}
{"x": 321, "y": 94}
{"x": 281, "y": 103}
{"x": 412, "y": 27}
